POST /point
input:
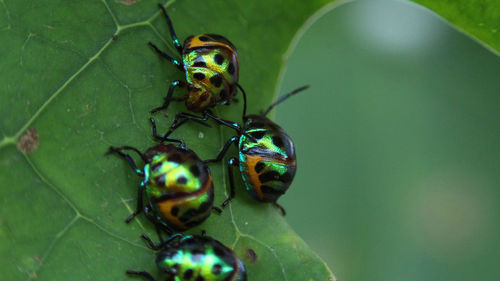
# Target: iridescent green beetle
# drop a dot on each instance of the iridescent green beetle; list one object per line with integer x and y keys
{"x": 178, "y": 185}
{"x": 195, "y": 257}
{"x": 267, "y": 162}
{"x": 211, "y": 64}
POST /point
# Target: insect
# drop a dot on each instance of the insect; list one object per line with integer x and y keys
{"x": 195, "y": 257}
{"x": 211, "y": 64}
{"x": 268, "y": 164}
{"x": 178, "y": 184}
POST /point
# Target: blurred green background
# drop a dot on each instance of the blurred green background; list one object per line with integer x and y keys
{"x": 398, "y": 145}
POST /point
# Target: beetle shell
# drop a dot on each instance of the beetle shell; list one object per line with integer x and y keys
{"x": 179, "y": 186}
{"x": 212, "y": 71}
{"x": 268, "y": 165}
{"x": 196, "y": 257}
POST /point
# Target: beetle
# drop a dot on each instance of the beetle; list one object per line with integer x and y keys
{"x": 267, "y": 162}
{"x": 178, "y": 184}
{"x": 211, "y": 65}
{"x": 195, "y": 257}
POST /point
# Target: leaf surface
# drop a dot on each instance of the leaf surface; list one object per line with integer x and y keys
{"x": 78, "y": 77}
{"x": 480, "y": 19}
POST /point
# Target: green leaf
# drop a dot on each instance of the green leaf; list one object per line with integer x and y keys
{"x": 77, "y": 77}
{"x": 478, "y": 18}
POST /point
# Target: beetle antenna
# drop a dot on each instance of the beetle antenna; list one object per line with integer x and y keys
{"x": 244, "y": 101}
{"x": 281, "y": 99}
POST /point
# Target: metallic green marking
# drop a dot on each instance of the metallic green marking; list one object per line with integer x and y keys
{"x": 196, "y": 257}
{"x": 172, "y": 171}
{"x": 268, "y": 165}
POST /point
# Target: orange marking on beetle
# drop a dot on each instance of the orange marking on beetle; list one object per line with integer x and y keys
{"x": 254, "y": 176}
{"x": 195, "y": 42}
{"x": 252, "y": 161}
{"x": 201, "y": 100}
{"x": 165, "y": 207}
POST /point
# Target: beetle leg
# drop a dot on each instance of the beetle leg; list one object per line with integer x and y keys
{"x": 158, "y": 225}
{"x": 184, "y": 117}
{"x": 177, "y": 63}
{"x": 139, "y": 207}
{"x": 217, "y": 209}
{"x": 162, "y": 244}
{"x": 224, "y": 150}
{"x": 160, "y": 138}
{"x": 127, "y": 157}
{"x": 230, "y": 165}
{"x": 168, "y": 98}
{"x": 283, "y": 212}
{"x": 233, "y": 125}
{"x": 176, "y": 42}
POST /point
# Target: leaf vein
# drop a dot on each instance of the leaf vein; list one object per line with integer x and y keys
{"x": 52, "y": 186}
{"x": 33, "y": 275}
{"x": 120, "y": 28}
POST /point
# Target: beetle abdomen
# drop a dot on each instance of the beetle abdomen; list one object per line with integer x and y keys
{"x": 179, "y": 188}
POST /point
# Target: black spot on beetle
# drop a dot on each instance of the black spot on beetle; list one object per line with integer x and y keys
{"x": 223, "y": 93}
{"x": 182, "y": 180}
{"x": 219, "y": 59}
{"x": 278, "y": 141}
{"x": 188, "y": 274}
{"x": 205, "y": 206}
{"x": 257, "y": 124}
{"x": 217, "y": 37}
{"x": 160, "y": 180}
{"x": 188, "y": 215}
{"x": 230, "y": 68}
{"x": 199, "y": 76}
{"x": 219, "y": 252}
{"x": 258, "y": 134}
{"x": 193, "y": 223}
{"x": 216, "y": 80}
{"x": 269, "y": 190}
{"x": 216, "y": 269}
{"x": 286, "y": 177}
{"x": 269, "y": 176}
{"x": 204, "y": 38}
{"x": 200, "y": 64}
{"x": 174, "y": 211}
{"x": 195, "y": 170}
{"x": 175, "y": 268}
{"x": 259, "y": 166}
{"x": 175, "y": 157}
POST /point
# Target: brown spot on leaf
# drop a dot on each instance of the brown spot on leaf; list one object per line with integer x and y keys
{"x": 29, "y": 141}
{"x": 252, "y": 256}
{"x": 128, "y": 2}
